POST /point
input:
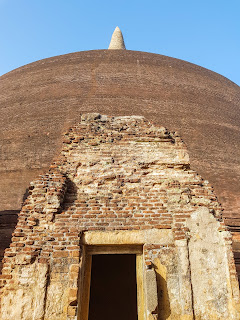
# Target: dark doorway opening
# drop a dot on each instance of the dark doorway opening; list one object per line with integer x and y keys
{"x": 113, "y": 290}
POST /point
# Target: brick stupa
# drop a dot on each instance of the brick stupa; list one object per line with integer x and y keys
{"x": 122, "y": 192}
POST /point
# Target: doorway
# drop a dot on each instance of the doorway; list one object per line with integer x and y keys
{"x": 113, "y": 288}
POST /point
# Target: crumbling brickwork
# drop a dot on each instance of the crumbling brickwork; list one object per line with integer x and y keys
{"x": 120, "y": 174}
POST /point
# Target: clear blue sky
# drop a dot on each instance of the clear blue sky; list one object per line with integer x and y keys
{"x": 205, "y": 32}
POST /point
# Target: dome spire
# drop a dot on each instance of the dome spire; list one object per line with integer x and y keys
{"x": 117, "y": 41}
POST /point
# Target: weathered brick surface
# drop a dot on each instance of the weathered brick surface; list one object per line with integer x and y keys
{"x": 114, "y": 173}
{"x": 40, "y": 100}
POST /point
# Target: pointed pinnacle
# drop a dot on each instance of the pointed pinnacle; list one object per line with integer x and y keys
{"x": 117, "y": 41}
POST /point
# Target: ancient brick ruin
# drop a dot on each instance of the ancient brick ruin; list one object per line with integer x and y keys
{"x": 40, "y": 101}
{"x": 120, "y": 186}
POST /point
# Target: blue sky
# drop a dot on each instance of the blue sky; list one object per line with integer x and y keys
{"x": 205, "y": 32}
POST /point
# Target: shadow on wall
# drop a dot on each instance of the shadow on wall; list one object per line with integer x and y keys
{"x": 164, "y": 310}
{"x": 70, "y": 195}
{"x": 26, "y": 194}
{"x": 8, "y": 221}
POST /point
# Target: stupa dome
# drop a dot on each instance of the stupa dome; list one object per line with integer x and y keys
{"x": 99, "y": 136}
{"x": 39, "y": 101}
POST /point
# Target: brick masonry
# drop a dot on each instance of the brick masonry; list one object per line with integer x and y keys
{"x": 118, "y": 173}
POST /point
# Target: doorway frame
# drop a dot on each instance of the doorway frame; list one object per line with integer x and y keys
{"x": 108, "y": 243}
